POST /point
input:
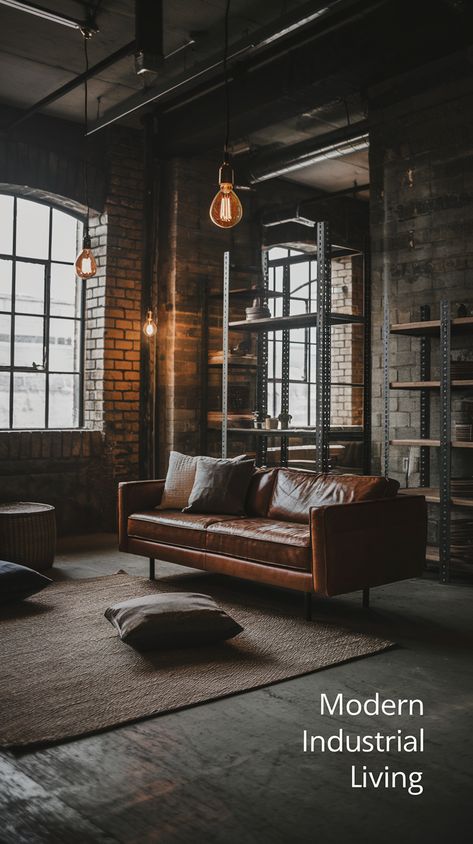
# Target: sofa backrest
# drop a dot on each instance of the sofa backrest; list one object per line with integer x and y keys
{"x": 296, "y": 491}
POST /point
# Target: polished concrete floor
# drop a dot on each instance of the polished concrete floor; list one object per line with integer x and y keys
{"x": 234, "y": 770}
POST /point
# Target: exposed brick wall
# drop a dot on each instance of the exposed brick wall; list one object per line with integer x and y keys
{"x": 78, "y": 471}
{"x": 422, "y": 226}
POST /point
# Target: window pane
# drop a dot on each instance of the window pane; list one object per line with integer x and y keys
{"x": 29, "y": 341}
{"x": 4, "y": 399}
{"x": 29, "y": 288}
{"x": 5, "y": 341}
{"x": 64, "y": 401}
{"x": 299, "y": 278}
{"x": 64, "y": 237}
{"x": 32, "y": 229}
{"x": 65, "y": 291}
{"x": 5, "y": 285}
{"x": 6, "y": 229}
{"x": 277, "y": 252}
{"x": 64, "y": 345}
{"x": 298, "y": 403}
{"x": 296, "y": 362}
{"x": 298, "y": 306}
{"x": 29, "y": 400}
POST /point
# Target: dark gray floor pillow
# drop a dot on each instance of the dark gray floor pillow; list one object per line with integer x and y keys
{"x": 171, "y": 620}
{"x": 18, "y": 582}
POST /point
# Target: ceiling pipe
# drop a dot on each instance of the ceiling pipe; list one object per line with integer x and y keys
{"x": 336, "y": 144}
{"x": 52, "y": 16}
{"x": 267, "y": 38}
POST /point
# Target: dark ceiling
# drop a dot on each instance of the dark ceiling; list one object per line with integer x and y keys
{"x": 298, "y": 70}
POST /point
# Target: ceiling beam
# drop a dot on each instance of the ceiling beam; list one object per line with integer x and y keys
{"x": 50, "y": 15}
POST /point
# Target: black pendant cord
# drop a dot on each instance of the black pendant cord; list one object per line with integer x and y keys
{"x": 225, "y": 77}
{"x": 86, "y": 130}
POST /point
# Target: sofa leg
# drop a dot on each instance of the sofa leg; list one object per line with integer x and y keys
{"x": 151, "y": 568}
{"x": 366, "y": 599}
{"x": 308, "y": 605}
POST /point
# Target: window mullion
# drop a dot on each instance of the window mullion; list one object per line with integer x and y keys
{"x": 47, "y": 310}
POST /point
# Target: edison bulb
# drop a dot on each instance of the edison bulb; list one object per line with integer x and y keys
{"x": 150, "y": 328}
{"x": 225, "y": 210}
{"x": 86, "y": 266}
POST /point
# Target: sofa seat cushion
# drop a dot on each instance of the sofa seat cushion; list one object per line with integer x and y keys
{"x": 296, "y": 491}
{"x": 263, "y": 541}
{"x": 172, "y": 527}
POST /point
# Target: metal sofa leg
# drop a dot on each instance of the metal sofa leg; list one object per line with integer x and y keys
{"x": 366, "y": 599}
{"x": 151, "y": 568}
{"x": 308, "y": 605}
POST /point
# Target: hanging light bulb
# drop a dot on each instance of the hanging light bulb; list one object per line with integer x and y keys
{"x": 150, "y": 328}
{"x": 86, "y": 266}
{"x": 226, "y": 210}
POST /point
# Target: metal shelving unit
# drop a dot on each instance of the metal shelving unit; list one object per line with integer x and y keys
{"x": 427, "y": 329}
{"x": 323, "y": 319}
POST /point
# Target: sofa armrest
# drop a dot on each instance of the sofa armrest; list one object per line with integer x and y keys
{"x": 368, "y": 543}
{"x": 132, "y": 497}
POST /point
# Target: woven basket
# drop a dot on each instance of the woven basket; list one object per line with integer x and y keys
{"x": 28, "y": 534}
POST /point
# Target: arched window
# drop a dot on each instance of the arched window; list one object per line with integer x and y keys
{"x": 41, "y": 316}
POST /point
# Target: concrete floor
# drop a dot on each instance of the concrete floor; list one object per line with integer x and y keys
{"x": 233, "y": 770}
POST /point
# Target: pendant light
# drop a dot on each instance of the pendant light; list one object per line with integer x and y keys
{"x": 225, "y": 210}
{"x": 150, "y": 328}
{"x": 86, "y": 266}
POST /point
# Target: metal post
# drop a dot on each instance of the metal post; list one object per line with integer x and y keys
{"x": 262, "y": 372}
{"x": 386, "y": 329}
{"x": 425, "y": 401}
{"x": 151, "y": 568}
{"x": 366, "y": 361}
{"x": 445, "y": 442}
{"x": 323, "y": 347}
{"x": 285, "y": 353}
{"x": 225, "y": 320}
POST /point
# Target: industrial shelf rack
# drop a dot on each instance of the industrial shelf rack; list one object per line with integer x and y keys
{"x": 426, "y": 329}
{"x": 323, "y": 319}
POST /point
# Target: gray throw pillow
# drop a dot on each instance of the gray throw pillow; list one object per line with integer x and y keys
{"x": 220, "y": 486}
{"x": 179, "y": 481}
{"x": 18, "y": 582}
{"x": 171, "y": 620}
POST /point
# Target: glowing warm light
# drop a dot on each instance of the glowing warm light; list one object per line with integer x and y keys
{"x": 86, "y": 266}
{"x": 226, "y": 210}
{"x": 150, "y": 328}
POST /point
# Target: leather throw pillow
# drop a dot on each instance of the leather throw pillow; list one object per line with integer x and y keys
{"x": 220, "y": 486}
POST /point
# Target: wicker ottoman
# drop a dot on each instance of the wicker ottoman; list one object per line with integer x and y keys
{"x": 28, "y": 534}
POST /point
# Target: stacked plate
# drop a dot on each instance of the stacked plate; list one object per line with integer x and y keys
{"x": 461, "y": 369}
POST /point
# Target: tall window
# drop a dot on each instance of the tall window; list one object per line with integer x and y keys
{"x": 299, "y": 272}
{"x": 41, "y": 316}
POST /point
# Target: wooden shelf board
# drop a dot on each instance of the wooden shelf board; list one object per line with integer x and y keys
{"x": 432, "y": 553}
{"x": 415, "y": 442}
{"x": 432, "y": 495}
{"x": 432, "y": 326}
{"x": 429, "y": 385}
{"x": 288, "y": 322}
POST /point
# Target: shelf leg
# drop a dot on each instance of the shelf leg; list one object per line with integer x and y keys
{"x": 151, "y": 568}
{"x": 308, "y": 605}
{"x": 366, "y": 599}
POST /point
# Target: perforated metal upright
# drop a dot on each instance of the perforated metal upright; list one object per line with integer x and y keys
{"x": 424, "y": 401}
{"x": 262, "y": 372}
{"x": 323, "y": 348}
{"x": 445, "y": 441}
{"x": 225, "y": 321}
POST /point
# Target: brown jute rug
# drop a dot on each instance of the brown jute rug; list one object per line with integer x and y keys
{"x": 65, "y": 673}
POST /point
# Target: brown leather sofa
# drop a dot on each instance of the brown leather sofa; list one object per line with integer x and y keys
{"x": 323, "y": 534}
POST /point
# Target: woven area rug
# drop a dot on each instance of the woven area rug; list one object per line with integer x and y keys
{"x": 64, "y": 673}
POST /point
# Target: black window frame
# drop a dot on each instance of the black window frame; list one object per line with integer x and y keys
{"x": 293, "y": 258}
{"x": 46, "y": 316}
